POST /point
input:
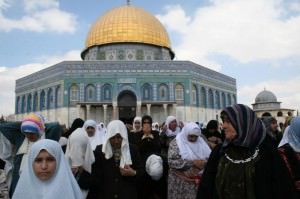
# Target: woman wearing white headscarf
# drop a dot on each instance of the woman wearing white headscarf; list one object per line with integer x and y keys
{"x": 59, "y": 184}
{"x": 95, "y": 136}
{"x": 137, "y": 124}
{"x": 187, "y": 156}
{"x": 80, "y": 156}
{"x": 117, "y": 165}
{"x": 169, "y": 132}
{"x": 290, "y": 151}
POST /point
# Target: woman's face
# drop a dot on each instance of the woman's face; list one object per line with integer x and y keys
{"x": 137, "y": 124}
{"x": 173, "y": 125}
{"x": 32, "y": 137}
{"x": 116, "y": 141}
{"x": 192, "y": 138}
{"x": 230, "y": 132}
{"x": 90, "y": 131}
{"x": 44, "y": 165}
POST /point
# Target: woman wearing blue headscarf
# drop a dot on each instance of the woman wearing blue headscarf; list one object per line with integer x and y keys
{"x": 290, "y": 152}
{"x": 245, "y": 165}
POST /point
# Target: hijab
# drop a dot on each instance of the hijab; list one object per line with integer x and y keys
{"x": 77, "y": 123}
{"x": 294, "y": 134}
{"x": 97, "y": 138}
{"x": 198, "y": 150}
{"x": 250, "y": 130}
{"x": 79, "y": 151}
{"x": 61, "y": 185}
{"x": 137, "y": 119}
{"x": 113, "y": 128}
{"x": 169, "y": 132}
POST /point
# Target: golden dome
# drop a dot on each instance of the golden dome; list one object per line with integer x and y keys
{"x": 127, "y": 24}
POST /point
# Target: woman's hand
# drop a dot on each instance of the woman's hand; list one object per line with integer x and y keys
{"x": 127, "y": 171}
{"x": 200, "y": 164}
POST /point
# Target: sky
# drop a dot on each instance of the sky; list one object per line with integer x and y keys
{"x": 257, "y": 42}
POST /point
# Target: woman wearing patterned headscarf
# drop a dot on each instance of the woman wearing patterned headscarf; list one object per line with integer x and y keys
{"x": 246, "y": 165}
{"x": 22, "y": 135}
{"x": 290, "y": 152}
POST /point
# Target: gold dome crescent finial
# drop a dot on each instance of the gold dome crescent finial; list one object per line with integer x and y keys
{"x": 128, "y": 24}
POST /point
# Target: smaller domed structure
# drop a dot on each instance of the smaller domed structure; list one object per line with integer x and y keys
{"x": 266, "y": 104}
{"x": 265, "y": 97}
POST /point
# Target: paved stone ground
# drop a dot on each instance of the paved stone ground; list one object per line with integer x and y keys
{"x": 3, "y": 186}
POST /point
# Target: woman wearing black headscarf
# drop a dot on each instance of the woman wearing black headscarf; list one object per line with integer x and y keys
{"x": 245, "y": 165}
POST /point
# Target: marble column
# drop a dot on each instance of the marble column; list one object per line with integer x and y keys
{"x": 138, "y": 108}
{"x": 148, "y": 109}
{"x": 88, "y": 112}
{"x": 105, "y": 113}
{"x": 165, "y": 110}
{"x": 115, "y": 111}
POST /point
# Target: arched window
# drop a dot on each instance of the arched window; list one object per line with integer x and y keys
{"x": 279, "y": 114}
{"x": 29, "y": 101}
{"x": 179, "y": 92}
{"x": 194, "y": 95}
{"x": 229, "y": 99}
{"x": 35, "y": 102}
{"x": 224, "y": 100}
{"x": 107, "y": 92}
{"x": 146, "y": 92}
{"x": 50, "y": 99}
{"x": 203, "y": 97}
{"x": 90, "y": 93}
{"x": 217, "y": 100}
{"x": 210, "y": 99}
{"x": 23, "y": 104}
{"x": 42, "y": 101}
{"x": 163, "y": 93}
{"x": 266, "y": 114}
{"x": 74, "y": 93}
{"x": 58, "y": 97}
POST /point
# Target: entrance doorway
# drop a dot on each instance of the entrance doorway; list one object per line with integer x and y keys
{"x": 127, "y": 106}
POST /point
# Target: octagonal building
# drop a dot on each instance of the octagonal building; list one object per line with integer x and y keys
{"x": 127, "y": 70}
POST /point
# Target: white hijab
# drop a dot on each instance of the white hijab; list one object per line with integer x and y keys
{"x": 137, "y": 118}
{"x": 61, "y": 185}
{"x": 113, "y": 128}
{"x": 79, "y": 151}
{"x": 169, "y": 132}
{"x": 98, "y": 137}
{"x": 198, "y": 150}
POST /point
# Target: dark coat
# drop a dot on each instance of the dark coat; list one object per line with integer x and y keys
{"x": 271, "y": 180}
{"x": 107, "y": 181}
{"x": 149, "y": 188}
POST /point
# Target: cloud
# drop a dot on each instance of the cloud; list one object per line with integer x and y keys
{"x": 286, "y": 91}
{"x": 244, "y": 30}
{"x": 8, "y": 77}
{"x": 40, "y": 16}
{"x": 4, "y": 4}
{"x": 33, "y": 5}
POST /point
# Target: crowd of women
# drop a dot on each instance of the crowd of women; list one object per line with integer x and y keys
{"x": 246, "y": 158}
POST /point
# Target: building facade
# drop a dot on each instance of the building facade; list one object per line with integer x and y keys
{"x": 127, "y": 70}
